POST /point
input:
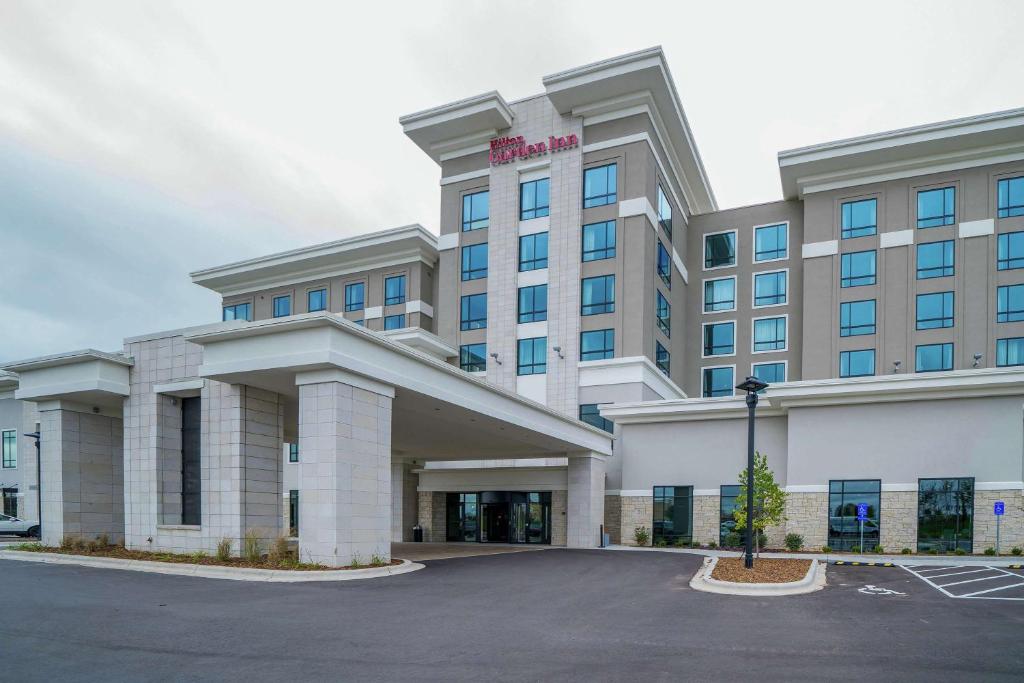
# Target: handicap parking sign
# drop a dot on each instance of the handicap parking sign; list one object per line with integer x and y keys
{"x": 862, "y": 512}
{"x": 1000, "y": 507}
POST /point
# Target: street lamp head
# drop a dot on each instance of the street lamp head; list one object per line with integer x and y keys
{"x": 752, "y": 385}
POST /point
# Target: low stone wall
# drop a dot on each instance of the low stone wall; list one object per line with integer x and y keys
{"x": 706, "y": 518}
{"x": 1011, "y": 528}
{"x": 613, "y": 518}
{"x": 635, "y": 511}
{"x": 430, "y": 515}
{"x": 898, "y": 521}
{"x": 807, "y": 515}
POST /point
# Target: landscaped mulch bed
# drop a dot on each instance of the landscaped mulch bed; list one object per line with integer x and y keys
{"x": 765, "y": 570}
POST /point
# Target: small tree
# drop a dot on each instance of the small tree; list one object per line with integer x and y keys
{"x": 769, "y": 500}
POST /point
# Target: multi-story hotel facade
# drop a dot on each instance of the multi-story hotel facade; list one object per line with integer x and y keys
{"x": 559, "y": 362}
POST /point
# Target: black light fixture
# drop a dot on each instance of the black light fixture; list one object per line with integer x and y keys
{"x": 751, "y": 385}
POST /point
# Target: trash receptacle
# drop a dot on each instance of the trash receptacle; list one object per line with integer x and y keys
{"x": 417, "y": 534}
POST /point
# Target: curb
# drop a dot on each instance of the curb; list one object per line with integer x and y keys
{"x": 212, "y": 571}
{"x": 813, "y": 581}
{"x": 862, "y": 564}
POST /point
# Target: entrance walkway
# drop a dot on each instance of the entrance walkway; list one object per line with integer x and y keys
{"x": 418, "y": 552}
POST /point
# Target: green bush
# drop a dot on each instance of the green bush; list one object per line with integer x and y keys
{"x": 377, "y": 561}
{"x": 712, "y": 544}
{"x": 990, "y": 551}
{"x": 224, "y": 550}
{"x": 879, "y": 550}
{"x": 933, "y": 551}
{"x": 641, "y": 536}
{"x": 356, "y": 563}
{"x": 855, "y": 549}
{"x": 661, "y": 543}
{"x": 251, "y": 546}
{"x": 794, "y": 542}
{"x": 732, "y": 540}
{"x": 906, "y": 551}
{"x": 1016, "y": 550}
{"x": 826, "y": 548}
{"x": 680, "y": 542}
{"x": 959, "y": 551}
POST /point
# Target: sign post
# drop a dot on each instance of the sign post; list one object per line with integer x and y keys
{"x": 862, "y": 514}
{"x": 999, "y": 509}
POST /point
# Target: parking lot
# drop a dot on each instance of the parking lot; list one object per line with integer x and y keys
{"x": 559, "y": 614}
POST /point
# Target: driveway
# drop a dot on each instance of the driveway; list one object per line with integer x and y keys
{"x": 558, "y": 614}
{"x": 419, "y": 552}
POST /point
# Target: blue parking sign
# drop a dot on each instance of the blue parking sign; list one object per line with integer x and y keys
{"x": 1000, "y": 507}
{"x": 862, "y": 512}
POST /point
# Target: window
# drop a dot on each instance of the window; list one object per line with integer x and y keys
{"x": 720, "y": 295}
{"x": 473, "y": 314}
{"x": 673, "y": 514}
{"x": 475, "y": 211}
{"x": 936, "y": 207}
{"x": 664, "y": 265}
{"x": 10, "y": 496}
{"x": 10, "y": 448}
{"x": 769, "y": 372}
{"x": 663, "y": 311}
{"x": 770, "y": 288}
{"x": 1010, "y": 304}
{"x": 860, "y": 218}
{"x": 934, "y": 311}
{"x": 720, "y": 250}
{"x": 293, "y": 452}
{"x": 719, "y": 339}
{"x": 857, "y": 363}
{"x": 662, "y": 359}
{"x": 591, "y": 414}
{"x": 598, "y": 295}
{"x": 533, "y": 252}
{"x": 856, "y": 318}
{"x": 474, "y": 262}
{"x": 599, "y": 186}
{"x": 599, "y": 241}
{"x": 316, "y": 300}
{"x": 462, "y": 511}
{"x": 945, "y": 515}
{"x": 769, "y": 334}
{"x": 771, "y": 242}
{"x": 238, "y": 312}
{"x": 933, "y": 357}
{"x": 728, "y": 502}
{"x": 394, "y": 290}
{"x": 1010, "y": 197}
{"x": 533, "y": 199}
{"x": 664, "y": 213}
{"x": 1010, "y": 251}
{"x": 473, "y": 357}
{"x": 532, "y": 358}
{"x": 717, "y": 382}
{"x": 533, "y": 304}
{"x": 282, "y": 305}
{"x": 191, "y": 465}
{"x": 355, "y": 296}
{"x": 597, "y": 344}
{"x": 858, "y": 269}
{"x": 844, "y": 529}
{"x": 394, "y": 322}
{"x": 293, "y": 512}
{"x": 1010, "y": 352}
{"x": 934, "y": 259}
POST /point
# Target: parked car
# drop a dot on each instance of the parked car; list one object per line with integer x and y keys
{"x": 12, "y": 526}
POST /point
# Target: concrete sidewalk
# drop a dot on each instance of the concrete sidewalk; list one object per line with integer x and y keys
{"x": 898, "y": 560}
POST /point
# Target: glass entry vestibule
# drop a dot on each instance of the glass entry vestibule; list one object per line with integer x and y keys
{"x": 499, "y": 517}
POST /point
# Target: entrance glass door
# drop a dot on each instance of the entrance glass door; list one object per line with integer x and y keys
{"x": 494, "y": 524}
{"x": 520, "y": 522}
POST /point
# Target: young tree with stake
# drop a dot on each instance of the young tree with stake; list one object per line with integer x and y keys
{"x": 769, "y": 500}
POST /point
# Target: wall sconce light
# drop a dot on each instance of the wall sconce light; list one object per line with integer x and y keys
{"x": 977, "y": 359}
{"x": 558, "y": 350}
{"x": 495, "y": 357}
{"x": 896, "y": 366}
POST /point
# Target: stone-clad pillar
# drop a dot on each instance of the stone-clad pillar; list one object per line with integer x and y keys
{"x": 404, "y": 500}
{"x": 585, "y": 505}
{"x": 344, "y": 469}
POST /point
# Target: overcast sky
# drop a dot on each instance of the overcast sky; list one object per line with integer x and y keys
{"x": 143, "y": 140}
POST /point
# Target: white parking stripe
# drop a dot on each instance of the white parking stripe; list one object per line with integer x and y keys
{"x": 984, "y": 578}
{"x": 990, "y": 590}
{"x": 976, "y": 595}
{"x": 972, "y": 571}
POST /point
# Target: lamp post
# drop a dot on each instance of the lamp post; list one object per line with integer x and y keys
{"x": 751, "y": 385}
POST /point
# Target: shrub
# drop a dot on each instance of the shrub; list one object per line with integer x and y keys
{"x": 641, "y": 536}
{"x": 732, "y": 540}
{"x": 67, "y": 542}
{"x": 855, "y": 549}
{"x": 826, "y": 548}
{"x": 990, "y": 551}
{"x": 906, "y": 551}
{"x": 224, "y": 550}
{"x": 278, "y": 553}
{"x": 712, "y": 544}
{"x": 356, "y": 562}
{"x": 879, "y": 550}
{"x": 959, "y": 551}
{"x": 103, "y": 540}
{"x": 794, "y": 541}
{"x": 1016, "y": 550}
{"x": 680, "y": 542}
{"x": 661, "y": 543}
{"x": 377, "y": 561}
{"x": 933, "y": 551}
{"x": 251, "y": 546}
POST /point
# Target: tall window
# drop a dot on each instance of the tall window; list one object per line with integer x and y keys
{"x": 1010, "y": 251}
{"x": 316, "y": 300}
{"x": 858, "y": 269}
{"x": 10, "y": 498}
{"x": 720, "y": 339}
{"x": 770, "y": 288}
{"x": 597, "y": 344}
{"x": 599, "y": 186}
{"x": 673, "y": 513}
{"x": 844, "y": 529}
{"x": 1010, "y": 352}
{"x": 770, "y": 334}
{"x": 859, "y": 363}
{"x": 769, "y": 372}
{"x": 934, "y": 259}
{"x": 945, "y": 514}
{"x": 532, "y": 356}
{"x": 770, "y": 242}
{"x": 933, "y": 357}
{"x": 282, "y": 305}
{"x": 1010, "y": 197}
{"x": 664, "y": 212}
{"x": 474, "y": 261}
{"x": 663, "y": 311}
{"x": 860, "y": 218}
{"x": 394, "y": 322}
{"x": 191, "y": 469}
{"x": 717, "y": 382}
{"x": 394, "y": 290}
{"x": 533, "y": 304}
{"x": 662, "y": 358}
{"x": 293, "y": 512}
{"x": 936, "y": 207}
{"x": 720, "y": 295}
{"x": 533, "y": 252}
{"x": 10, "y": 448}
{"x": 473, "y": 313}
{"x": 355, "y": 296}
{"x": 599, "y": 241}
{"x": 473, "y": 357}
{"x": 462, "y": 512}
{"x": 728, "y": 502}
{"x": 591, "y": 414}
{"x": 720, "y": 250}
{"x": 856, "y": 318}
{"x": 293, "y": 452}
{"x": 1010, "y": 304}
{"x": 475, "y": 211}
{"x": 934, "y": 310}
{"x": 598, "y": 295}
{"x": 664, "y": 265}
{"x": 238, "y": 312}
{"x": 533, "y": 199}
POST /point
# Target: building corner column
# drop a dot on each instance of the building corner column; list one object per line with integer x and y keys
{"x": 585, "y": 504}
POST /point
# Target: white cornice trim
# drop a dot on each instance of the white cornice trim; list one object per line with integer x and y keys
{"x": 986, "y": 226}
{"x": 816, "y": 249}
{"x": 465, "y": 151}
{"x": 373, "y": 312}
{"x": 448, "y": 241}
{"x": 419, "y": 306}
{"x": 421, "y": 340}
{"x": 67, "y": 358}
{"x": 629, "y": 370}
{"x": 680, "y": 267}
{"x": 896, "y": 238}
{"x": 468, "y": 175}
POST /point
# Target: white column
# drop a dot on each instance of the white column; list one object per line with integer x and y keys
{"x": 585, "y": 504}
{"x": 404, "y": 500}
{"x": 344, "y": 468}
